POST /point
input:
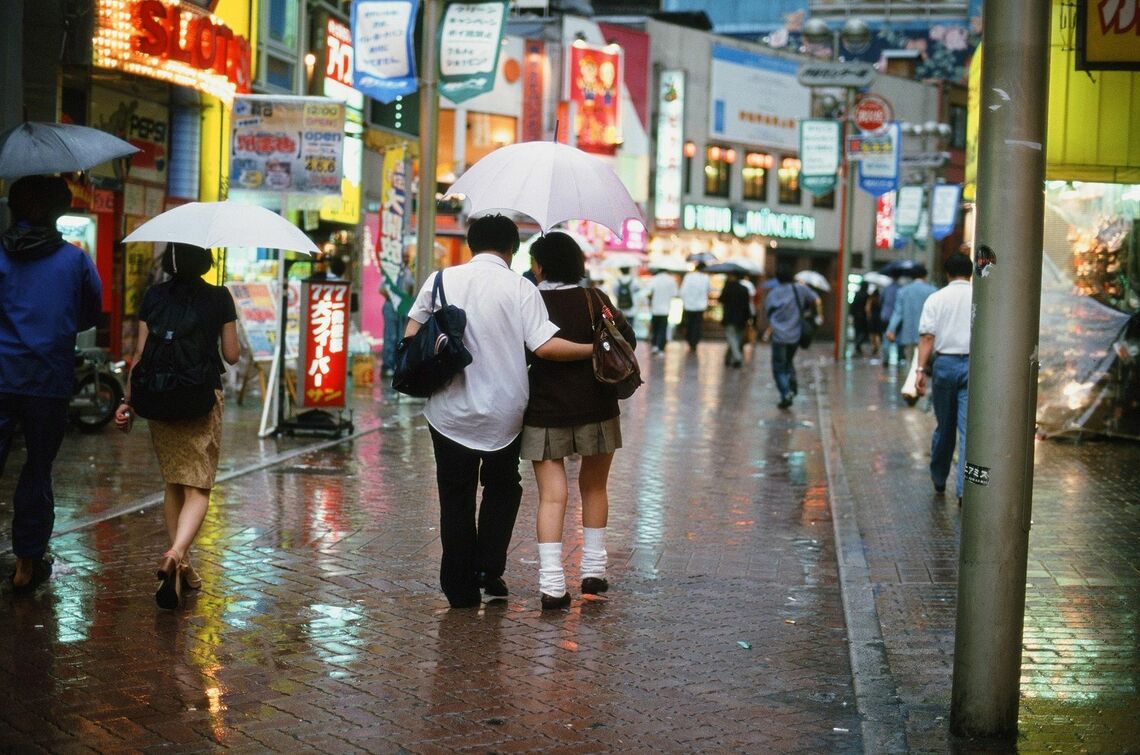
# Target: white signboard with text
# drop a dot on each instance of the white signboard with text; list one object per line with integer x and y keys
{"x": 755, "y": 99}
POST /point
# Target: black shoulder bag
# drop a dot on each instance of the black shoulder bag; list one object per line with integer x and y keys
{"x": 429, "y": 360}
{"x": 807, "y": 321}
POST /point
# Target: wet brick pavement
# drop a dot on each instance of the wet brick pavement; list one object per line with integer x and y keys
{"x": 320, "y": 627}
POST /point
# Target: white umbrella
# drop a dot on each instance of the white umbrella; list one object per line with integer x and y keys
{"x": 813, "y": 279}
{"x": 674, "y": 263}
{"x": 878, "y": 279}
{"x": 37, "y": 148}
{"x": 623, "y": 259}
{"x": 549, "y": 182}
{"x": 750, "y": 265}
{"x": 217, "y": 224}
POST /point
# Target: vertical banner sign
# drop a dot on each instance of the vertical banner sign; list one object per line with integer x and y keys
{"x": 908, "y": 213}
{"x": 323, "y": 357}
{"x": 878, "y": 157}
{"x": 670, "y": 147}
{"x": 532, "y": 89}
{"x": 595, "y": 92}
{"x": 287, "y": 145}
{"x": 885, "y": 220}
{"x": 371, "y": 302}
{"x": 469, "y": 41}
{"x": 393, "y": 216}
{"x": 820, "y": 142}
{"x": 944, "y": 209}
{"x": 384, "y": 63}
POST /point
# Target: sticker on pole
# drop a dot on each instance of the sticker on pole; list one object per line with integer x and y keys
{"x": 872, "y": 114}
{"x": 977, "y": 475}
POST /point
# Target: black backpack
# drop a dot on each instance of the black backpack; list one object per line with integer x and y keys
{"x": 625, "y": 295}
{"x": 176, "y": 375}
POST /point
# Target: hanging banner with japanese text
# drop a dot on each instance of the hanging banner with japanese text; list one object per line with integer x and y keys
{"x": 384, "y": 61}
{"x": 324, "y": 347}
{"x": 397, "y": 279}
{"x": 287, "y": 145}
{"x": 469, "y": 41}
{"x": 819, "y": 155}
{"x": 670, "y": 149}
{"x": 878, "y": 156}
{"x": 908, "y": 210}
{"x": 533, "y": 84}
{"x": 944, "y": 209}
{"x": 595, "y": 90}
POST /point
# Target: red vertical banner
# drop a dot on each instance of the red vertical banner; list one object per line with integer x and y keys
{"x": 323, "y": 360}
{"x": 534, "y": 72}
{"x": 595, "y": 90}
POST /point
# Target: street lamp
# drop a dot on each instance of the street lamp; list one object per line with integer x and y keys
{"x": 854, "y": 37}
{"x": 931, "y": 163}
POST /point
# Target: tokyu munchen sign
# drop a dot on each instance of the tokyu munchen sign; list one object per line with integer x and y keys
{"x": 743, "y": 223}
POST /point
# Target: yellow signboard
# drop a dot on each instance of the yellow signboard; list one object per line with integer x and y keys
{"x": 1108, "y": 35}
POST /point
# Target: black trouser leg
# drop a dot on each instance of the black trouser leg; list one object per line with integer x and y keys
{"x": 502, "y": 493}
{"x": 457, "y": 475}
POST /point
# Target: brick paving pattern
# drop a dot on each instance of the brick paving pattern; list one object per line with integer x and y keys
{"x": 320, "y": 626}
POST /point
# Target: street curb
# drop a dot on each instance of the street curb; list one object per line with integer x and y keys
{"x": 141, "y": 504}
{"x": 876, "y": 695}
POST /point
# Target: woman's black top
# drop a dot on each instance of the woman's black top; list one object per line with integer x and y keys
{"x": 213, "y": 304}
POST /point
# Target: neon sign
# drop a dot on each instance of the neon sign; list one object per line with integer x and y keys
{"x": 780, "y": 225}
{"x": 174, "y": 42}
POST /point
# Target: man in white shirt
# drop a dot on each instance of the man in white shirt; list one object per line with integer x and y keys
{"x": 662, "y": 291}
{"x": 476, "y": 419}
{"x": 695, "y": 300}
{"x": 944, "y": 334}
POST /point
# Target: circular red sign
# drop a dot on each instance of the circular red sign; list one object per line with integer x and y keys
{"x": 872, "y": 114}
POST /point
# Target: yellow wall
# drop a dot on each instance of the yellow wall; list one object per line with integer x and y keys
{"x": 214, "y": 158}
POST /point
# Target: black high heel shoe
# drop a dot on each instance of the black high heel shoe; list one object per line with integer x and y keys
{"x": 169, "y": 593}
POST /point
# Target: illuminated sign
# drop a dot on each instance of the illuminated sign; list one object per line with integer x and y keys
{"x": 338, "y": 65}
{"x": 324, "y": 348}
{"x": 1107, "y": 34}
{"x": 780, "y": 225}
{"x": 670, "y": 133}
{"x": 595, "y": 90}
{"x": 174, "y": 42}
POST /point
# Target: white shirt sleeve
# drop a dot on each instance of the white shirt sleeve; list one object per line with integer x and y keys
{"x": 537, "y": 327}
{"x": 421, "y": 307}
{"x": 927, "y": 321}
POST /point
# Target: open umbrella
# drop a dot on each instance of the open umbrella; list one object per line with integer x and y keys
{"x": 672, "y": 263}
{"x": 901, "y": 267}
{"x": 217, "y": 224}
{"x": 727, "y": 267}
{"x": 549, "y": 182}
{"x": 813, "y": 279}
{"x": 37, "y": 148}
{"x": 751, "y": 266}
{"x": 706, "y": 257}
{"x": 623, "y": 259}
{"x": 878, "y": 279}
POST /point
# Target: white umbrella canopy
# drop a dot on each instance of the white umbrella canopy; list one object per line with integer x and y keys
{"x": 549, "y": 182}
{"x": 813, "y": 279}
{"x": 614, "y": 260}
{"x": 674, "y": 263}
{"x": 878, "y": 279}
{"x": 218, "y": 224}
{"x": 37, "y": 148}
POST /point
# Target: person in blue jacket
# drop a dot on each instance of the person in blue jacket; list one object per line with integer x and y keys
{"x": 49, "y": 291}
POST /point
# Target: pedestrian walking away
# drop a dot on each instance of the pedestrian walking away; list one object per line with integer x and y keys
{"x": 187, "y": 449}
{"x": 626, "y": 292}
{"x": 858, "y": 312}
{"x": 695, "y": 299}
{"x": 785, "y": 306}
{"x": 944, "y": 358}
{"x": 902, "y": 328}
{"x": 49, "y": 291}
{"x": 736, "y": 311}
{"x": 662, "y": 291}
{"x": 476, "y": 419}
{"x": 570, "y": 413}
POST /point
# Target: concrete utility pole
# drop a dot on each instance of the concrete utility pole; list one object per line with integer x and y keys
{"x": 429, "y": 135}
{"x": 1003, "y": 372}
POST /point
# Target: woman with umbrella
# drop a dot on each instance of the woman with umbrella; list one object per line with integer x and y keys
{"x": 187, "y": 449}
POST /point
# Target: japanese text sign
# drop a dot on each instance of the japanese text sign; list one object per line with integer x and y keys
{"x": 533, "y": 83}
{"x": 670, "y": 149}
{"x": 819, "y": 155}
{"x": 944, "y": 209}
{"x": 878, "y": 158}
{"x": 382, "y": 36}
{"x": 287, "y": 145}
{"x": 324, "y": 346}
{"x": 469, "y": 42}
{"x": 595, "y": 90}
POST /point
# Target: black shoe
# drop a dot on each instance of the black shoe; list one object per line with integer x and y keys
{"x": 785, "y": 403}
{"x": 41, "y": 572}
{"x": 549, "y": 602}
{"x": 493, "y": 587}
{"x": 594, "y": 585}
{"x": 473, "y": 600}
{"x": 939, "y": 489}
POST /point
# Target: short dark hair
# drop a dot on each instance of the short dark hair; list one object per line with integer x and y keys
{"x": 561, "y": 258}
{"x": 186, "y": 261}
{"x": 958, "y": 265}
{"x": 493, "y": 233}
{"x": 39, "y": 200}
{"x": 337, "y": 266}
{"x": 784, "y": 272}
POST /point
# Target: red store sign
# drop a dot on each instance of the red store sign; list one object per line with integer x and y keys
{"x": 174, "y": 42}
{"x": 324, "y": 345}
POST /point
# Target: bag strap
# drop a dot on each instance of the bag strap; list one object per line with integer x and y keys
{"x": 437, "y": 288}
{"x": 592, "y": 294}
{"x": 796, "y": 293}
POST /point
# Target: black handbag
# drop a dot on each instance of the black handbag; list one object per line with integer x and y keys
{"x": 807, "y": 321}
{"x": 429, "y": 360}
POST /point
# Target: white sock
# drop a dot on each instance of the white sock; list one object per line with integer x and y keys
{"x": 551, "y": 577}
{"x": 593, "y": 552}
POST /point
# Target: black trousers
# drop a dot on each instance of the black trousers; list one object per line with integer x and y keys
{"x": 472, "y": 545}
{"x": 44, "y": 421}
{"x": 694, "y": 324}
